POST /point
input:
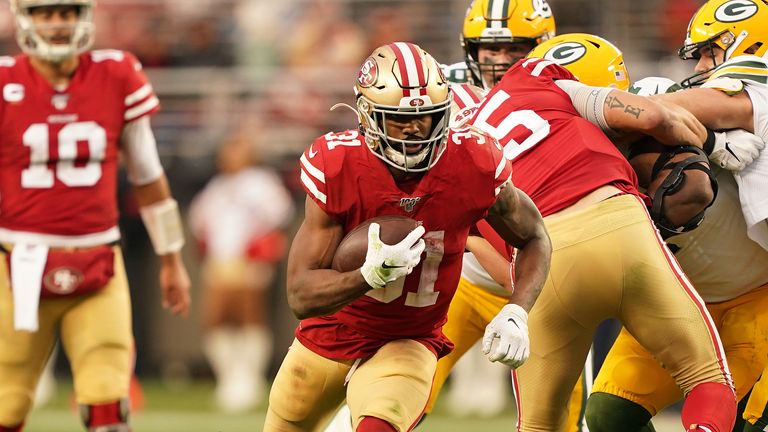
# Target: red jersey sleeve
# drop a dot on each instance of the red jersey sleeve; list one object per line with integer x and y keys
{"x": 319, "y": 170}
{"x": 140, "y": 98}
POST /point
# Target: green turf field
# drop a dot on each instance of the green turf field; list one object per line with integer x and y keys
{"x": 188, "y": 408}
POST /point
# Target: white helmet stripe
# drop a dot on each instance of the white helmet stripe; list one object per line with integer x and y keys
{"x": 411, "y": 69}
{"x": 496, "y": 12}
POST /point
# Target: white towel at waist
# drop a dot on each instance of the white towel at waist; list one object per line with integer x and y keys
{"x": 27, "y": 266}
{"x": 753, "y": 194}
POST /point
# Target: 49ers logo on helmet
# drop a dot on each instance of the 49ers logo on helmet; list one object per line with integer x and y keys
{"x": 368, "y": 74}
{"x": 735, "y": 10}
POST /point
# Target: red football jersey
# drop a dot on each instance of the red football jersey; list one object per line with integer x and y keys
{"x": 352, "y": 185}
{"x": 558, "y": 157}
{"x": 59, "y": 151}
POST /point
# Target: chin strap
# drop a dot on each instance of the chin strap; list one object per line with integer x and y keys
{"x": 674, "y": 182}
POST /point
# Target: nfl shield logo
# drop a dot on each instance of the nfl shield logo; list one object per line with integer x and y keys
{"x": 409, "y": 203}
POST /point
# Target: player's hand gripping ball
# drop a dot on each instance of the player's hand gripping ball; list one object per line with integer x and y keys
{"x": 384, "y": 248}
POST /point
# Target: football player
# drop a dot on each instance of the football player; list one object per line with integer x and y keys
{"x": 608, "y": 260}
{"x": 68, "y": 115}
{"x": 372, "y": 336}
{"x": 496, "y": 34}
{"x": 728, "y": 268}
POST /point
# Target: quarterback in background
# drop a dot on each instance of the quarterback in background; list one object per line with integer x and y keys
{"x": 68, "y": 114}
{"x": 372, "y": 335}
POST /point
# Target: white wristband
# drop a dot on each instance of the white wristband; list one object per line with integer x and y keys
{"x": 163, "y": 223}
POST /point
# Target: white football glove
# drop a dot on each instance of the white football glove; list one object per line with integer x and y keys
{"x": 386, "y": 263}
{"x": 510, "y": 327}
{"x": 735, "y": 149}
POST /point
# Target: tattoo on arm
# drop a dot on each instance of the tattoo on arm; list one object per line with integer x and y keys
{"x": 613, "y": 102}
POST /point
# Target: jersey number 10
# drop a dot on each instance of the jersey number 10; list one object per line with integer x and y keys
{"x": 39, "y": 174}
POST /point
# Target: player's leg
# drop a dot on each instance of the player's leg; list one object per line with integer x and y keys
{"x": 306, "y": 392}
{"x": 578, "y": 403}
{"x": 392, "y": 386}
{"x": 571, "y": 305}
{"x": 96, "y": 336}
{"x": 630, "y": 389}
{"x": 22, "y": 354}
{"x": 662, "y": 310}
{"x": 756, "y": 411}
{"x": 470, "y": 311}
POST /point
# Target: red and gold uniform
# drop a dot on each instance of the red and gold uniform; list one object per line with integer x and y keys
{"x": 59, "y": 157}
{"x": 730, "y": 272}
{"x": 394, "y": 332}
{"x": 607, "y": 257}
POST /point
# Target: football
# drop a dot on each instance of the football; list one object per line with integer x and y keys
{"x": 350, "y": 254}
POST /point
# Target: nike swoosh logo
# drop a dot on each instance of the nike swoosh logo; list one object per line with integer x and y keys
{"x": 312, "y": 152}
{"x": 728, "y": 147}
{"x": 385, "y": 266}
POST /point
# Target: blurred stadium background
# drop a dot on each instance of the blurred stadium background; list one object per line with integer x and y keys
{"x": 273, "y": 68}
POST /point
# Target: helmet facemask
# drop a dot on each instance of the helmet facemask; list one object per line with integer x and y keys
{"x": 30, "y": 35}
{"x": 692, "y": 51}
{"x": 478, "y": 70}
{"x": 402, "y": 80}
{"x": 394, "y": 150}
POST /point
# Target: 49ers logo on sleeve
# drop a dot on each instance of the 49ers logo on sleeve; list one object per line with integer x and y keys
{"x": 566, "y": 53}
{"x": 63, "y": 280}
{"x": 369, "y": 73}
{"x": 735, "y": 10}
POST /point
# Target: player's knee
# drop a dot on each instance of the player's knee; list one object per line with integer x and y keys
{"x": 107, "y": 417}
{"x": 608, "y": 413}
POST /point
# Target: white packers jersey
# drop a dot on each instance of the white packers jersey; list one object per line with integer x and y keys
{"x": 718, "y": 257}
{"x": 457, "y": 73}
{"x": 474, "y": 273}
{"x": 748, "y": 73}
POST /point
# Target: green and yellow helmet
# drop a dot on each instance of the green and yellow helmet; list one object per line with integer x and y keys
{"x": 592, "y": 59}
{"x": 739, "y": 27}
{"x": 503, "y": 21}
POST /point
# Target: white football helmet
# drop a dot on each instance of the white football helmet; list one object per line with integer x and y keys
{"x": 32, "y": 43}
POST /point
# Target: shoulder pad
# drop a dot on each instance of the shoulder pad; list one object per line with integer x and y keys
{"x": 546, "y": 68}
{"x": 101, "y": 55}
{"x": 456, "y": 73}
{"x": 747, "y": 69}
{"x": 650, "y": 86}
{"x": 466, "y": 99}
{"x": 726, "y": 85}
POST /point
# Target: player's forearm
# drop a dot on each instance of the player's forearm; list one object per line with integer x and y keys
{"x": 517, "y": 220}
{"x": 161, "y": 217}
{"x": 323, "y": 292}
{"x": 491, "y": 260}
{"x": 531, "y": 270}
{"x": 713, "y": 108}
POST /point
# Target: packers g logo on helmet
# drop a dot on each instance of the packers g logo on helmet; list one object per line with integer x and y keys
{"x": 566, "y": 53}
{"x": 592, "y": 59}
{"x": 735, "y": 10}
